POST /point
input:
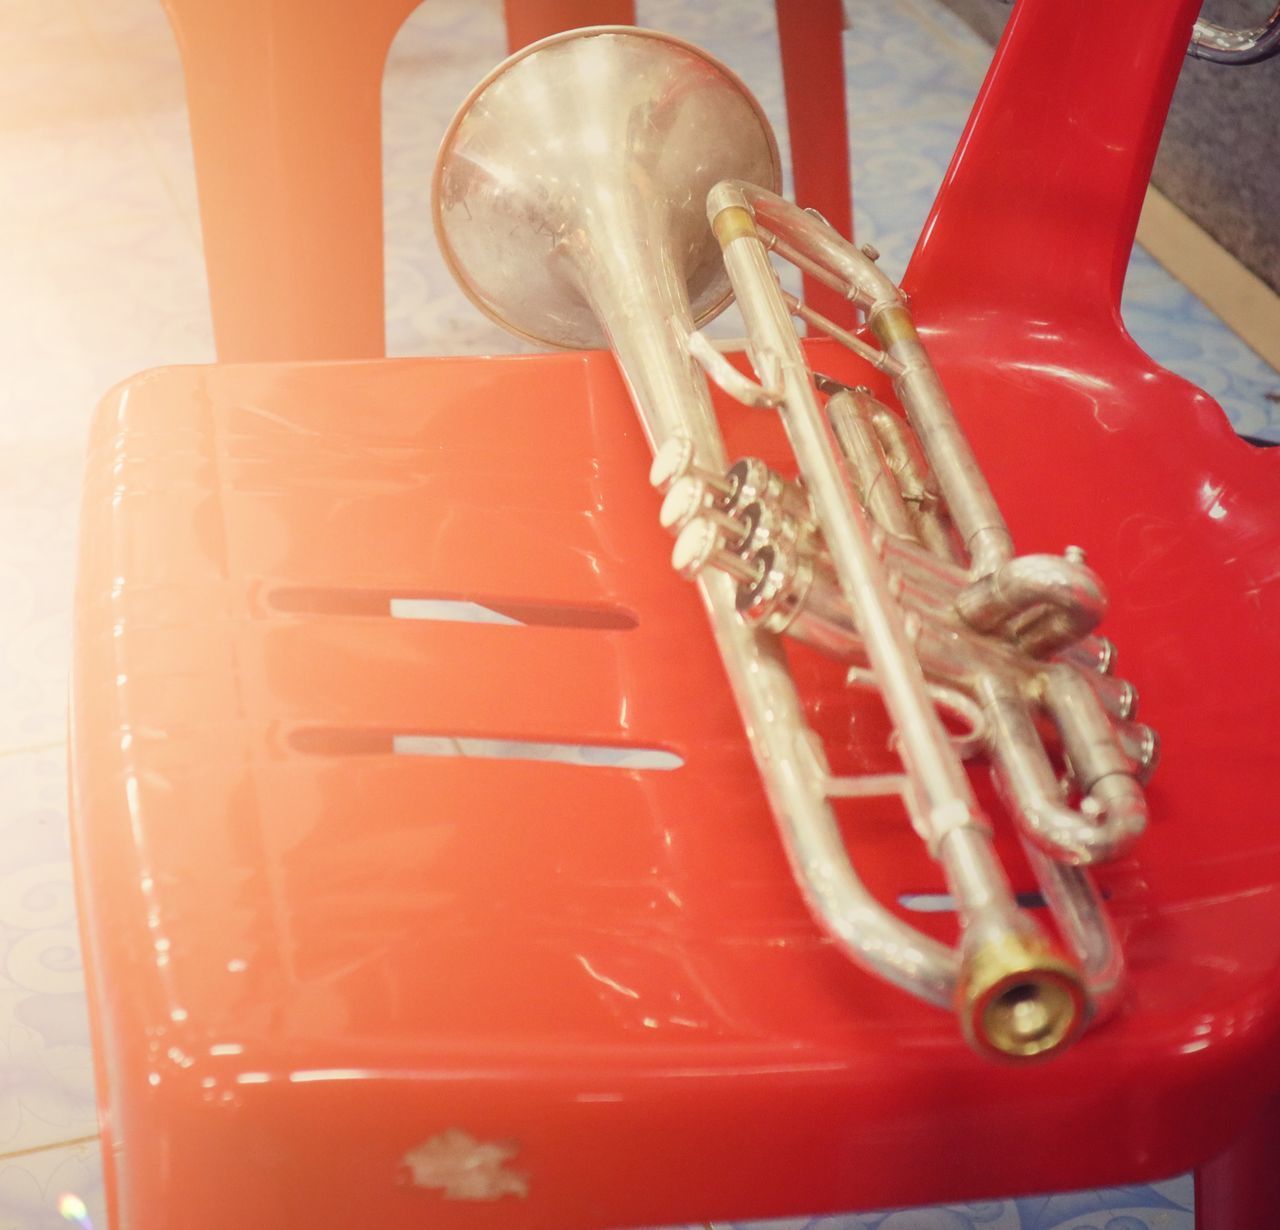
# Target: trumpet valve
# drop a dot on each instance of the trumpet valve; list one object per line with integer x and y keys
{"x": 755, "y": 482}
{"x": 675, "y": 460}
{"x": 775, "y": 595}
{"x": 701, "y": 544}
{"x": 1141, "y": 745}
{"x": 1119, "y": 697}
{"x": 1092, "y": 653}
{"x": 691, "y": 497}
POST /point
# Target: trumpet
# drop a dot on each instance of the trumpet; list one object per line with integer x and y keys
{"x": 617, "y": 187}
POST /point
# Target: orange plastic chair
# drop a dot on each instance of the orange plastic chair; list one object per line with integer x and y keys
{"x": 285, "y": 104}
{"x": 338, "y": 978}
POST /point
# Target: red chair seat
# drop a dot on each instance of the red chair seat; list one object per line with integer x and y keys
{"x": 310, "y": 955}
{"x": 332, "y": 983}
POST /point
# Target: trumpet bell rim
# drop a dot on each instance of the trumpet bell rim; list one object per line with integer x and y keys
{"x": 458, "y": 268}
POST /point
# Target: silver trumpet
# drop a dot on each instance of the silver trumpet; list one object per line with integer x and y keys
{"x": 568, "y": 201}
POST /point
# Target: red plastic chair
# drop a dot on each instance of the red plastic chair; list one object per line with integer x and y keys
{"x": 334, "y": 984}
{"x": 285, "y": 101}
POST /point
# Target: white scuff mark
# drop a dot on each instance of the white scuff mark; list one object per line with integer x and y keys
{"x": 464, "y": 1168}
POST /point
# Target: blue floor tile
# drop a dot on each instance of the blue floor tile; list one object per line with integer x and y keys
{"x": 46, "y": 1064}
{"x": 50, "y": 1190}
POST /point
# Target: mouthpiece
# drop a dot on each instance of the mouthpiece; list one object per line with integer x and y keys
{"x": 1019, "y": 1000}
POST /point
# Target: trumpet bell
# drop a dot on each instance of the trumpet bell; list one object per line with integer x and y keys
{"x": 524, "y": 211}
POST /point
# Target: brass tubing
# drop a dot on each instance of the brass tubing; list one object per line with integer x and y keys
{"x": 1085, "y": 925}
{"x": 573, "y": 238}
{"x": 920, "y": 491}
{"x": 969, "y": 499}
{"x": 877, "y": 358}
{"x": 877, "y": 484}
{"x": 1071, "y": 590}
{"x": 1141, "y": 745}
{"x": 573, "y": 250}
{"x": 805, "y": 264}
{"x": 1110, "y": 756}
{"x": 1004, "y": 953}
{"x": 1117, "y": 696}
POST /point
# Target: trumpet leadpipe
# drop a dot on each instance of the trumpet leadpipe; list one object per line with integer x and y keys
{"x": 1082, "y": 918}
{"x": 862, "y": 580}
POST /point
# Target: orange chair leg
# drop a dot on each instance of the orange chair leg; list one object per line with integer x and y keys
{"x": 530, "y": 20}
{"x": 810, "y": 37}
{"x": 285, "y": 100}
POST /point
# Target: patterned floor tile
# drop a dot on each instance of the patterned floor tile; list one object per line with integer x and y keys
{"x": 55, "y": 1189}
{"x": 114, "y": 177}
{"x": 1176, "y": 329}
{"x": 898, "y": 65}
{"x": 87, "y": 309}
{"x": 46, "y": 1064}
{"x": 1148, "y": 1206}
{"x": 39, "y": 485}
{"x": 139, "y": 52}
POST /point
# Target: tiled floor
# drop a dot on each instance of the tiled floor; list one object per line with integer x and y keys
{"x": 103, "y": 277}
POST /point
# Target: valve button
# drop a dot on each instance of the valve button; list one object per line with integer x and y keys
{"x": 672, "y": 461}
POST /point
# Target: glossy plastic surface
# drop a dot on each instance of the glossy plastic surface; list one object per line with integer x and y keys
{"x": 310, "y": 955}
{"x": 306, "y": 948}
